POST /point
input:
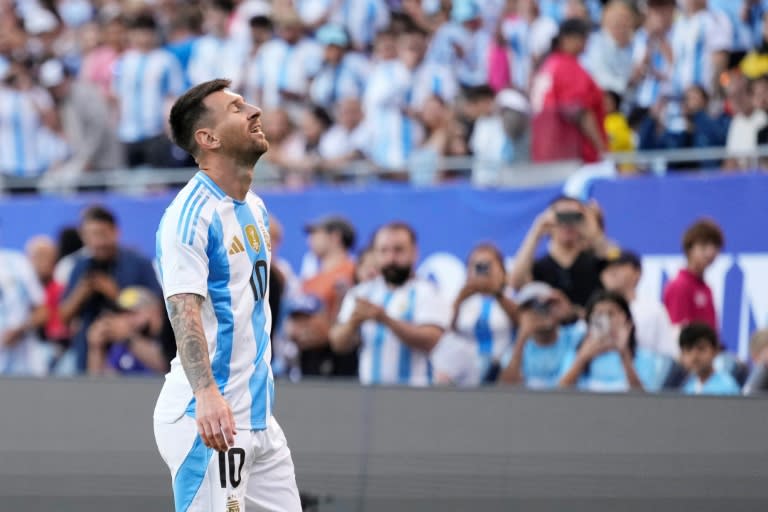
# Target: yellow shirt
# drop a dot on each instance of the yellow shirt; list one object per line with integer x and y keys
{"x": 619, "y": 133}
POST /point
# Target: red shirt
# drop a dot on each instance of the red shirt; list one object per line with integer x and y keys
{"x": 54, "y": 328}
{"x": 689, "y": 299}
{"x": 560, "y": 91}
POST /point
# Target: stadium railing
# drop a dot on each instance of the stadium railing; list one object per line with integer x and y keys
{"x": 419, "y": 172}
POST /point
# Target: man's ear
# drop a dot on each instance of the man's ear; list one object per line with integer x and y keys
{"x": 205, "y": 139}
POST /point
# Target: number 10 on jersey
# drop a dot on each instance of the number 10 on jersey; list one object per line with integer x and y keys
{"x": 260, "y": 280}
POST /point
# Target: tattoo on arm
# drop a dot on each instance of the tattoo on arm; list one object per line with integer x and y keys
{"x": 184, "y": 313}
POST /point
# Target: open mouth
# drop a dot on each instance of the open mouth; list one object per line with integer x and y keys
{"x": 256, "y": 128}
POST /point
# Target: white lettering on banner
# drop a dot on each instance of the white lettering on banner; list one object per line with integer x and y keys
{"x": 448, "y": 271}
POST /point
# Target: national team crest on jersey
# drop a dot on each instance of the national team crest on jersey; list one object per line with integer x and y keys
{"x": 233, "y": 505}
{"x": 265, "y": 234}
{"x": 253, "y": 237}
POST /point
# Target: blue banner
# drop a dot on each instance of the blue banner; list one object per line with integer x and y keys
{"x": 645, "y": 214}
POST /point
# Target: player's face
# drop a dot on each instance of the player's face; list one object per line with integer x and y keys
{"x": 238, "y": 126}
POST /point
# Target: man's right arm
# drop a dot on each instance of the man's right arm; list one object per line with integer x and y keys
{"x": 522, "y": 270}
{"x": 79, "y": 290}
{"x": 215, "y": 422}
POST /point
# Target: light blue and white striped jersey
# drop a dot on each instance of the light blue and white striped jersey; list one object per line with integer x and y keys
{"x": 694, "y": 40}
{"x": 471, "y": 67}
{"x": 526, "y": 42}
{"x": 279, "y": 66}
{"x": 742, "y": 32}
{"x": 609, "y": 64}
{"x": 384, "y": 359}
{"x": 658, "y": 82}
{"x": 213, "y": 57}
{"x": 27, "y": 148}
{"x": 347, "y": 80}
{"x": 144, "y": 83}
{"x": 719, "y": 383}
{"x": 606, "y": 374}
{"x": 555, "y": 9}
{"x": 362, "y": 19}
{"x": 217, "y": 247}
{"x": 482, "y": 320}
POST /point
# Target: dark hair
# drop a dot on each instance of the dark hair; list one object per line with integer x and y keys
{"x": 703, "y": 231}
{"x": 189, "y": 110}
{"x": 691, "y": 334}
{"x": 655, "y": 4}
{"x": 222, "y": 5}
{"x": 619, "y": 300}
{"x": 479, "y": 92}
{"x": 98, "y": 213}
{"x": 261, "y": 22}
{"x": 490, "y": 247}
{"x": 615, "y": 97}
{"x": 563, "y": 197}
{"x": 321, "y": 115}
{"x": 69, "y": 241}
{"x": 143, "y": 21}
{"x": 398, "y": 226}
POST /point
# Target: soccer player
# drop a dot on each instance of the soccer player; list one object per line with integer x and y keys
{"x": 214, "y": 249}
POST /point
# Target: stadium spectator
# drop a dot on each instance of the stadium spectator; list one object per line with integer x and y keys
{"x": 701, "y": 40}
{"x": 566, "y": 102}
{"x": 85, "y": 122}
{"x": 261, "y": 31}
{"x": 653, "y": 329}
{"x": 216, "y": 54}
{"x": 575, "y": 251}
{"x": 284, "y": 142}
{"x": 699, "y": 345}
{"x": 616, "y": 125}
{"x": 342, "y": 142}
{"x": 366, "y": 268}
{"x": 130, "y": 340}
{"x": 397, "y": 318}
{"x": 362, "y": 19}
{"x": 42, "y": 254}
{"x": 146, "y": 79}
{"x": 758, "y": 347}
{"x": 755, "y": 63}
{"x": 99, "y": 275}
{"x": 280, "y": 73}
{"x": 606, "y": 359}
{"x": 306, "y": 167}
{"x": 22, "y": 313}
{"x": 28, "y": 123}
{"x": 748, "y": 119}
{"x": 97, "y": 67}
{"x": 483, "y": 313}
{"x": 311, "y": 315}
{"x": 182, "y": 34}
{"x": 528, "y": 36}
{"x": 687, "y": 297}
{"x": 542, "y": 345}
{"x": 70, "y": 246}
{"x": 609, "y": 53}
{"x": 653, "y": 53}
{"x": 343, "y": 74}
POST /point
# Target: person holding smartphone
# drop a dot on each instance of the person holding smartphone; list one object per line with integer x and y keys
{"x": 575, "y": 252}
{"x": 606, "y": 359}
{"x": 482, "y": 325}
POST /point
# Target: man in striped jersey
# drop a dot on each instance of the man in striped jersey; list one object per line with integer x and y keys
{"x": 214, "y": 254}
{"x": 397, "y": 318}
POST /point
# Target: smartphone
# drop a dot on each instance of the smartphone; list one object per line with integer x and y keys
{"x": 482, "y": 268}
{"x": 569, "y": 218}
{"x": 600, "y": 325}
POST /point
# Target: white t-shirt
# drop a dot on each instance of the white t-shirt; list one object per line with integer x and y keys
{"x": 455, "y": 360}
{"x": 384, "y": 359}
{"x": 339, "y": 142}
{"x": 742, "y": 133}
{"x": 211, "y": 245}
{"x": 653, "y": 329}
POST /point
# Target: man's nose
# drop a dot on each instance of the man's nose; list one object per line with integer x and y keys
{"x": 254, "y": 111}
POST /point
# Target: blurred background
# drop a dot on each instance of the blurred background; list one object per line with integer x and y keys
{"x": 563, "y": 169}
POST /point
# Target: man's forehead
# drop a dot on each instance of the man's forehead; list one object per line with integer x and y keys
{"x": 223, "y": 97}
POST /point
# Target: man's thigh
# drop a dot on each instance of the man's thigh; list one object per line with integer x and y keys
{"x": 271, "y": 481}
{"x": 203, "y": 479}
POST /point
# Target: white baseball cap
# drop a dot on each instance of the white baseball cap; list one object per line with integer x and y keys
{"x": 513, "y": 100}
{"x": 51, "y": 73}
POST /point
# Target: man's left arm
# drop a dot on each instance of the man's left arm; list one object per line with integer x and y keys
{"x": 431, "y": 316}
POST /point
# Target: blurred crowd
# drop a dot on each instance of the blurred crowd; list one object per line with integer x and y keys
{"x": 398, "y": 84}
{"x": 571, "y": 317}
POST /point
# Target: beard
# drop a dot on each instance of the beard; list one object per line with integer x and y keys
{"x": 395, "y": 274}
{"x": 247, "y": 152}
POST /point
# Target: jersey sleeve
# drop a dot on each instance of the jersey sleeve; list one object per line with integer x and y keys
{"x": 347, "y": 306}
{"x": 431, "y": 308}
{"x": 29, "y": 281}
{"x": 182, "y": 255}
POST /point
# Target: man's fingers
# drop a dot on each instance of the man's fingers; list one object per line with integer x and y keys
{"x": 228, "y": 432}
{"x": 220, "y": 441}
{"x": 205, "y": 434}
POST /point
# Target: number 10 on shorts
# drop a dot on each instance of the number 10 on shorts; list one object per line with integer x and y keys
{"x": 234, "y": 458}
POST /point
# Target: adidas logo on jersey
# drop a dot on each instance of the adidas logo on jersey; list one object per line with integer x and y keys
{"x": 236, "y": 246}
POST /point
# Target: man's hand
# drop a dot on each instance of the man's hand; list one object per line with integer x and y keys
{"x": 98, "y": 333}
{"x": 215, "y": 422}
{"x": 12, "y": 336}
{"x": 104, "y": 284}
{"x": 544, "y": 222}
{"x": 366, "y": 310}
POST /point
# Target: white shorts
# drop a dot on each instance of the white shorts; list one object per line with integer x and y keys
{"x": 254, "y": 475}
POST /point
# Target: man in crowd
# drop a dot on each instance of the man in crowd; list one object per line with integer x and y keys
{"x": 99, "y": 274}
{"x": 575, "y": 251}
{"x": 687, "y": 297}
{"x": 397, "y": 318}
{"x": 311, "y": 315}
{"x": 43, "y": 254}
{"x": 653, "y": 330}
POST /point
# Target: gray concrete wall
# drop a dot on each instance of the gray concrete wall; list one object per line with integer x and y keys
{"x": 81, "y": 445}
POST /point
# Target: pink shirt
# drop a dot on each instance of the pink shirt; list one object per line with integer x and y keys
{"x": 689, "y": 299}
{"x": 97, "y": 67}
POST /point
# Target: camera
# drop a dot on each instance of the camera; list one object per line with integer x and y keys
{"x": 569, "y": 218}
{"x": 482, "y": 268}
